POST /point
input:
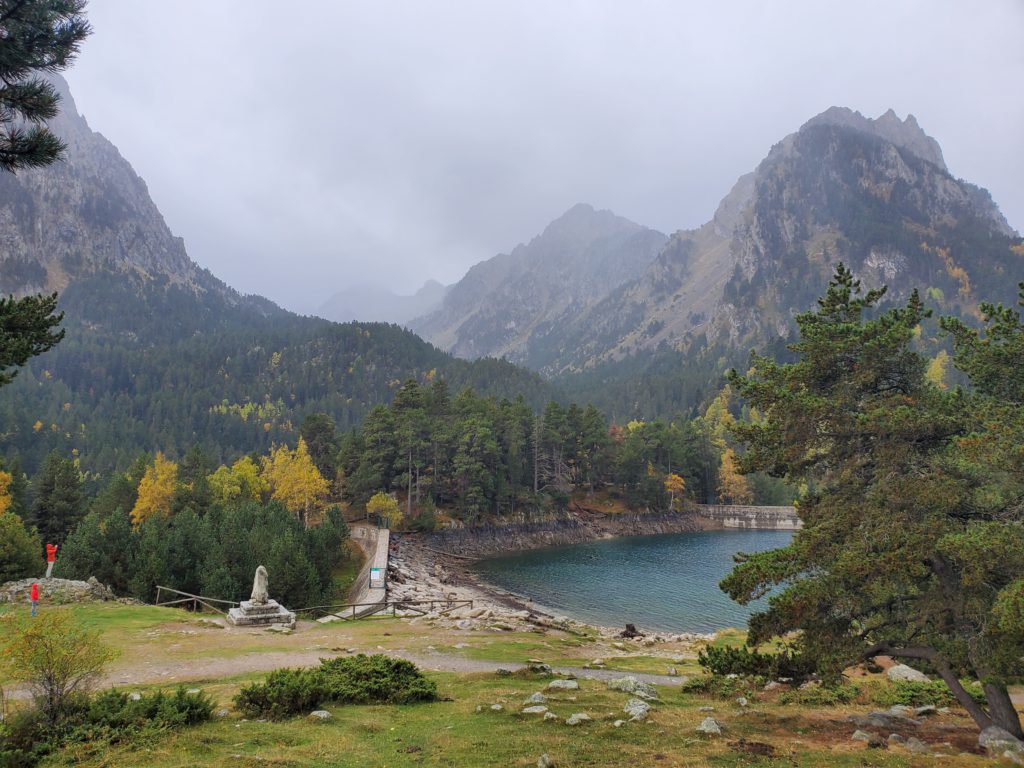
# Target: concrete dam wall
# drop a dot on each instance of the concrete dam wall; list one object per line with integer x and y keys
{"x": 741, "y": 516}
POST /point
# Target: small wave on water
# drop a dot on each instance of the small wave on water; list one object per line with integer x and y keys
{"x": 666, "y": 582}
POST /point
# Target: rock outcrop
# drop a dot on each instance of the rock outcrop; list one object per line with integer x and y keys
{"x": 56, "y": 591}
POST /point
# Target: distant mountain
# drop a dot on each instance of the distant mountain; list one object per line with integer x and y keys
{"x": 378, "y": 305}
{"x": 644, "y": 325}
{"x": 516, "y": 305}
{"x": 875, "y": 194}
{"x": 161, "y": 355}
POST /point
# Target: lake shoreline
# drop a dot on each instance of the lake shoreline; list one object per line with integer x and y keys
{"x": 443, "y": 562}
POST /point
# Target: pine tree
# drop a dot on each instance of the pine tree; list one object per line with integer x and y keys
{"x": 26, "y": 328}
{"x": 911, "y": 543}
{"x": 58, "y": 506}
{"x": 38, "y": 36}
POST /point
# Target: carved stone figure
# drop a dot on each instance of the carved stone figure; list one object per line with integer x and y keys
{"x": 260, "y": 595}
{"x": 260, "y": 610}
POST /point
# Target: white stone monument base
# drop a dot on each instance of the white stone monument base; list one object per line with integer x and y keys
{"x": 250, "y": 614}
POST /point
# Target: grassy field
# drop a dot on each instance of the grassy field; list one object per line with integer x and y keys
{"x": 162, "y": 647}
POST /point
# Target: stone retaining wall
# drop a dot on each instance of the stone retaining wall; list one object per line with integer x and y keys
{"x": 745, "y": 516}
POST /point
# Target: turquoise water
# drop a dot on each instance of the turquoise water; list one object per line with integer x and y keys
{"x": 664, "y": 582}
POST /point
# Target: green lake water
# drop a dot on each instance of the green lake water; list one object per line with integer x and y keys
{"x": 664, "y": 582}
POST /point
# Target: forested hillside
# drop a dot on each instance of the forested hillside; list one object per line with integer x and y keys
{"x": 147, "y": 367}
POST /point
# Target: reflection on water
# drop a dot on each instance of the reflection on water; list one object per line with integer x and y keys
{"x": 666, "y": 582}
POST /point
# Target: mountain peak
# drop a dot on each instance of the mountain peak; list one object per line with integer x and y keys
{"x": 903, "y": 133}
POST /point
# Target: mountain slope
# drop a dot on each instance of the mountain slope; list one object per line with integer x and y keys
{"x": 159, "y": 354}
{"x": 873, "y": 193}
{"x": 515, "y": 304}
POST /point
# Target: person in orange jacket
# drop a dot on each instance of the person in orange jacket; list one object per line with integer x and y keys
{"x": 51, "y": 556}
{"x": 34, "y": 596}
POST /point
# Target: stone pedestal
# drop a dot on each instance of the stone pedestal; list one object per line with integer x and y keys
{"x": 253, "y": 614}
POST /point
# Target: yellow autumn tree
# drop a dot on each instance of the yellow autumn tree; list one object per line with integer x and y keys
{"x": 718, "y": 419}
{"x": 676, "y": 486}
{"x": 224, "y": 485}
{"x": 294, "y": 480}
{"x": 384, "y": 506}
{"x": 733, "y": 487}
{"x": 241, "y": 480}
{"x": 938, "y": 370}
{"x": 155, "y": 489}
{"x": 5, "y": 491}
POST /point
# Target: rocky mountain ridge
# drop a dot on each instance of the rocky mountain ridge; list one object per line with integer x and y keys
{"x": 514, "y": 305}
{"x": 86, "y": 214}
{"x": 874, "y": 193}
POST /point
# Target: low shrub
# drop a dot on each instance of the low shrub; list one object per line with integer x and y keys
{"x": 727, "y": 660}
{"x": 721, "y": 686}
{"x": 285, "y": 693}
{"x": 911, "y": 694}
{"x": 108, "y": 717}
{"x": 375, "y": 679}
{"x": 822, "y": 695}
{"x": 358, "y": 679}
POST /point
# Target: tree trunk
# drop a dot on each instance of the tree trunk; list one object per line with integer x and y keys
{"x": 978, "y": 715}
{"x": 1001, "y": 709}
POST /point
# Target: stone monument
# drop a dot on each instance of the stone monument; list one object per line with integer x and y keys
{"x": 259, "y": 610}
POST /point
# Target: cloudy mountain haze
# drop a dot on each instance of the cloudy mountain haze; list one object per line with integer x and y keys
{"x": 353, "y": 144}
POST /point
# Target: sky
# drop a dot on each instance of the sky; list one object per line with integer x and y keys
{"x": 305, "y": 147}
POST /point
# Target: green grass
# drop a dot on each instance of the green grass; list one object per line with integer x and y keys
{"x": 453, "y": 733}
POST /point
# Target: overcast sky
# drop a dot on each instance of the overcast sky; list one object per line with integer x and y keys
{"x": 301, "y": 147}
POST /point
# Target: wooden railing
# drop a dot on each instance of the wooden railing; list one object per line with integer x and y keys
{"x": 188, "y": 598}
{"x": 361, "y": 610}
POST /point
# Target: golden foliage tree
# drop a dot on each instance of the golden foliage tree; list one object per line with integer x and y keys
{"x": 242, "y": 480}
{"x": 5, "y": 491}
{"x": 294, "y": 480}
{"x": 938, "y": 370}
{"x": 676, "y": 486}
{"x": 383, "y": 505}
{"x": 156, "y": 489}
{"x": 733, "y": 487}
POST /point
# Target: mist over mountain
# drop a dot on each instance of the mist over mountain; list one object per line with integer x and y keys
{"x": 369, "y": 303}
{"x": 515, "y": 305}
{"x": 161, "y": 355}
{"x": 873, "y": 193}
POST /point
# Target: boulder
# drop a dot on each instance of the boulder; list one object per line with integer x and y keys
{"x": 538, "y": 709}
{"x": 904, "y": 674}
{"x": 496, "y": 707}
{"x": 564, "y": 685}
{"x": 631, "y": 685}
{"x": 887, "y": 721}
{"x": 550, "y": 716}
{"x": 710, "y": 726}
{"x": 915, "y": 745}
{"x": 637, "y": 709}
{"x": 996, "y": 741}
{"x": 577, "y": 718}
{"x": 545, "y": 762}
{"x": 537, "y": 698}
{"x": 319, "y": 714}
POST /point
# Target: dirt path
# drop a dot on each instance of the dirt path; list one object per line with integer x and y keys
{"x": 212, "y": 669}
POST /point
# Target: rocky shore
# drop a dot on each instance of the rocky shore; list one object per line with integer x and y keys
{"x": 418, "y": 571}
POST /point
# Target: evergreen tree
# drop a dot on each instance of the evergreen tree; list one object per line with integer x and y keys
{"x": 319, "y": 432}
{"x": 58, "y": 502}
{"x": 38, "y": 36}
{"x": 27, "y": 325}
{"x": 20, "y": 550}
{"x": 905, "y": 550}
